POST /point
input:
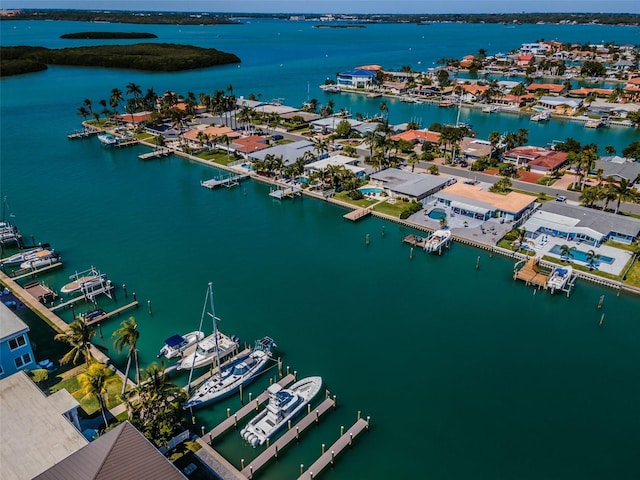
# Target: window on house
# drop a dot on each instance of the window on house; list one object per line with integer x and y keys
{"x": 17, "y": 342}
{"x": 22, "y": 360}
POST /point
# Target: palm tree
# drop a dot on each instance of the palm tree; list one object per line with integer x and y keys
{"x": 413, "y": 160}
{"x": 384, "y": 110}
{"x": 83, "y": 112}
{"x": 115, "y": 98}
{"x": 610, "y": 150}
{"x": 522, "y": 237}
{"x": 589, "y": 158}
{"x": 79, "y": 338}
{"x": 127, "y": 336}
{"x": 566, "y": 252}
{"x": 592, "y": 257}
{"x": 93, "y": 383}
{"x": 494, "y": 140}
{"x": 624, "y": 192}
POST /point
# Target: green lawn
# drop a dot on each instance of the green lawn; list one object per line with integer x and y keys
{"x": 548, "y": 181}
{"x": 364, "y": 203}
{"x": 88, "y": 404}
{"x": 633, "y": 275}
{"x": 393, "y": 210}
{"x": 219, "y": 157}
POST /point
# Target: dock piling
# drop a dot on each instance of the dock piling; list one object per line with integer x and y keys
{"x": 124, "y": 289}
{"x": 601, "y": 320}
{"x": 411, "y": 254}
{"x": 600, "y": 302}
{"x": 366, "y": 240}
{"x": 478, "y": 263}
{"x": 149, "y": 307}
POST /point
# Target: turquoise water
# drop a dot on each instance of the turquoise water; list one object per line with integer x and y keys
{"x": 465, "y": 373}
{"x": 371, "y": 190}
{"x": 582, "y": 256}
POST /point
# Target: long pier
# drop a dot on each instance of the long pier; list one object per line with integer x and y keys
{"x": 328, "y": 457}
{"x": 355, "y": 215}
{"x": 36, "y": 271}
{"x": 244, "y": 411}
{"x": 88, "y": 296}
{"x": 157, "y": 153}
{"x": 287, "y": 192}
{"x": 294, "y": 433}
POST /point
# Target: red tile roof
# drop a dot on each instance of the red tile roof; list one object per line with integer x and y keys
{"x": 415, "y": 136}
{"x": 550, "y": 87}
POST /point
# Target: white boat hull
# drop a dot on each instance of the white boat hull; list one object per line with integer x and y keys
{"x": 436, "y": 241}
{"x": 264, "y": 425}
{"x": 205, "y": 353}
{"x": 174, "y": 351}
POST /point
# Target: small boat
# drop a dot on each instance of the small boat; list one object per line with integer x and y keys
{"x": 23, "y": 256}
{"x": 284, "y": 404}
{"x": 108, "y": 140}
{"x": 559, "y": 278}
{"x": 596, "y": 123}
{"x": 8, "y": 233}
{"x": 175, "y": 345}
{"x": 240, "y": 372}
{"x": 435, "y": 242}
{"x": 93, "y": 314}
{"x": 207, "y": 350}
{"x": 84, "y": 281}
{"x": 41, "y": 259}
{"x": 490, "y": 109}
{"x": 541, "y": 117}
{"x": 331, "y": 88}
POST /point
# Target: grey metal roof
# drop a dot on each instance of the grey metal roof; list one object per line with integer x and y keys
{"x": 597, "y": 220}
{"x": 408, "y": 183}
{"x": 290, "y": 151}
{"x": 620, "y": 167}
{"x": 120, "y": 453}
{"x": 10, "y": 323}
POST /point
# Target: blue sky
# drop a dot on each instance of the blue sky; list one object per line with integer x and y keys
{"x": 342, "y": 6}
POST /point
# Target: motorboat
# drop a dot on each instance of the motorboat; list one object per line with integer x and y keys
{"x": 437, "y": 240}
{"x": 541, "y": 117}
{"x": 175, "y": 345}
{"x": 23, "y": 256}
{"x": 42, "y": 258}
{"x": 108, "y": 140}
{"x": 84, "y": 281}
{"x": 207, "y": 349}
{"x": 490, "y": 109}
{"x": 93, "y": 314}
{"x": 8, "y": 233}
{"x": 331, "y": 88}
{"x": 240, "y": 372}
{"x": 559, "y": 277}
{"x": 284, "y": 404}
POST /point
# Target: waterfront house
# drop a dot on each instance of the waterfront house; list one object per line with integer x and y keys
{"x": 555, "y": 88}
{"x": 356, "y": 78}
{"x": 584, "y": 92}
{"x": 249, "y": 144}
{"x": 631, "y": 90}
{"x": 290, "y": 152}
{"x": 36, "y": 431}
{"x": 473, "y": 148}
{"x": 328, "y": 124}
{"x": 121, "y": 453}
{"x": 561, "y": 105}
{"x": 581, "y": 224}
{"x": 524, "y": 60}
{"x": 473, "y": 201}
{"x": 537, "y": 48}
{"x": 404, "y": 184}
{"x": 15, "y": 348}
{"x": 349, "y": 163}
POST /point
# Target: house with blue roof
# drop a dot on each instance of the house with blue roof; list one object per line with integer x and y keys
{"x": 356, "y": 78}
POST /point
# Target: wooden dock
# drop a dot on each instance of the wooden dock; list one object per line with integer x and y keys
{"x": 328, "y": 457}
{"x": 292, "y": 434}
{"x": 113, "y": 313}
{"x": 41, "y": 292}
{"x": 355, "y": 215}
{"x": 88, "y": 296}
{"x": 244, "y": 411}
{"x": 530, "y": 273}
{"x": 224, "y": 181}
{"x": 127, "y": 142}
{"x": 415, "y": 241}
{"x": 157, "y": 153}
{"x": 82, "y": 134}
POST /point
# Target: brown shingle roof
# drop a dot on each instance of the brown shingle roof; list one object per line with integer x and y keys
{"x": 121, "y": 453}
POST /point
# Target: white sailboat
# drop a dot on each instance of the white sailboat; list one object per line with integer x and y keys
{"x": 212, "y": 348}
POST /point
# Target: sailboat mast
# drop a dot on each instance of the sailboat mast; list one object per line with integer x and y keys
{"x": 204, "y": 310}
{"x": 215, "y": 327}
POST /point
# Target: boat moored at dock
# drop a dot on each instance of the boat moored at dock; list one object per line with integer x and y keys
{"x": 42, "y": 258}
{"x": 84, "y": 281}
{"x": 23, "y": 256}
{"x": 240, "y": 372}
{"x": 559, "y": 278}
{"x": 439, "y": 239}
{"x": 175, "y": 345}
{"x": 284, "y": 404}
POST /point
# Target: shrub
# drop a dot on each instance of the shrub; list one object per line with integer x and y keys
{"x": 355, "y": 194}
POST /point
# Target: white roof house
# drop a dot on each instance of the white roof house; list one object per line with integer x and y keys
{"x": 290, "y": 152}
{"x": 402, "y": 183}
{"x": 336, "y": 160}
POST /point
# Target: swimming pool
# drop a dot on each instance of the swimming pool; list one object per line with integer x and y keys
{"x": 247, "y": 166}
{"x": 304, "y": 180}
{"x": 581, "y": 256}
{"x": 437, "y": 214}
{"x": 371, "y": 191}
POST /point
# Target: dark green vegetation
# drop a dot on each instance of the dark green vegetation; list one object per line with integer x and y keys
{"x": 154, "y": 57}
{"x": 150, "y": 18}
{"x": 107, "y": 35}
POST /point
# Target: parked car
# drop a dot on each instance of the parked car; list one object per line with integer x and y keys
{"x": 277, "y": 137}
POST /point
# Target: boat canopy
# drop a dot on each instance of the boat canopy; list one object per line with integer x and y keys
{"x": 174, "y": 340}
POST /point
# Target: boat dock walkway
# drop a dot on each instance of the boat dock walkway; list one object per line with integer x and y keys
{"x": 329, "y": 455}
{"x": 86, "y": 132}
{"x": 244, "y": 411}
{"x": 291, "y": 434}
{"x": 113, "y": 313}
{"x": 287, "y": 192}
{"x": 105, "y": 288}
{"x": 225, "y": 181}
{"x": 157, "y": 153}
{"x": 30, "y": 273}
{"x": 355, "y": 215}
{"x": 416, "y": 241}
{"x": 530, "y": 273}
